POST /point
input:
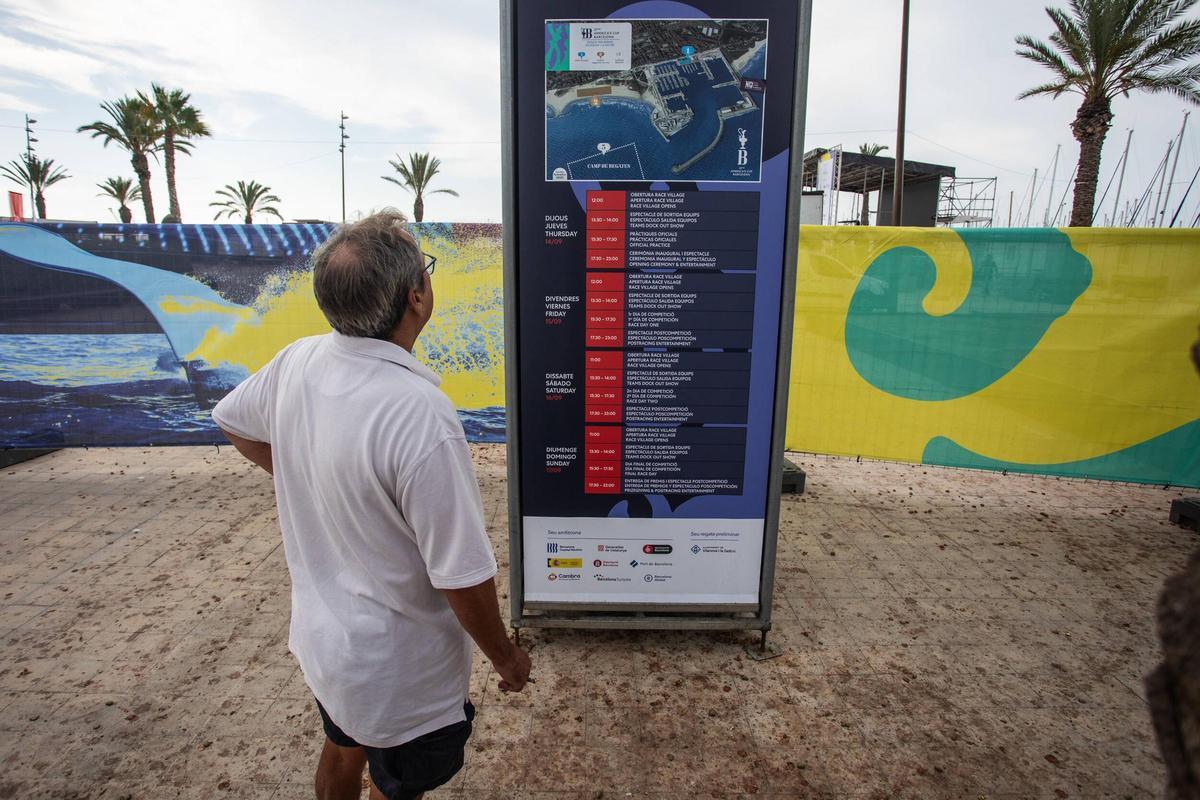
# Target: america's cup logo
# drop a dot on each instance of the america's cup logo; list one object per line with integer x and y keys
{"x": 743, "y": 157}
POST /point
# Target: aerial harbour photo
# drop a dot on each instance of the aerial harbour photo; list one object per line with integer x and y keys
{"x": 684, "y": 104}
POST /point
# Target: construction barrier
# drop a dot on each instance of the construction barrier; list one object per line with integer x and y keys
{"x": 1060, "y": 352}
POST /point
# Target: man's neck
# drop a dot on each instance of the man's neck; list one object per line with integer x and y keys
{"x": 404, "y": 336}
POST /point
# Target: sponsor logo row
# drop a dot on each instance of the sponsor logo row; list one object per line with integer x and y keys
{"x": 554, "y": 548}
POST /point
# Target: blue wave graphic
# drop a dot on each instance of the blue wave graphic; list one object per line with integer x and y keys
{"x": 122, "y": 389}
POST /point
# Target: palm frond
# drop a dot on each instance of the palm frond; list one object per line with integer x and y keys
{"x": 246, "y": 198}
{"x": 34, "y": 172}
{"x": 1070, "y": 39}
{"x": 398, "y": 182}
{"x": 133, "y": 126}
{"x": 1179, "y": 42}
{"x": 15, "y": 173}
{"x": 1043, "y": 54}
{"x": 1102, "y": 48}
{"x": 121, "y": 189}
{"x": 1055, "y": 90}
{"x": 1184, "y": 83}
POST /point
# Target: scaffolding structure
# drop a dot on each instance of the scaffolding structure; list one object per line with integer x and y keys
{"x": 966, "y": 203}
{"x": 833, "y": 171}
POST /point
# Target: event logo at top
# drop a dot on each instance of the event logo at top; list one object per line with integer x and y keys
{"x": 601, "y": 45}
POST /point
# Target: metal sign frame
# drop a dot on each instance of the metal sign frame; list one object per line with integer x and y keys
{"x": 664, "y": 616}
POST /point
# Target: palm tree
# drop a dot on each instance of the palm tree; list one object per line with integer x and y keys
{"x": 1105, "y": 48}
{"x": 37, "y": 174}
{"x": 245, "y": 200}
{"x": 133, "y": 127}
{"x": 178, "y": 122}
{"x": 415, "y": 176}
{"x": 123, "y": 191}
{"x": 871, "y": 148}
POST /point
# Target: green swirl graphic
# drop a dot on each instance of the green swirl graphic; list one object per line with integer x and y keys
{"x": 1171, "y": 458}
{"x": 1022, "y": 281}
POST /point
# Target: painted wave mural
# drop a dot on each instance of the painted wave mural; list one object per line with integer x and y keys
{"x": 129, "y": 334}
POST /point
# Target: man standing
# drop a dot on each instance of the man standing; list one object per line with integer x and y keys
{"x": 392, "y": 572}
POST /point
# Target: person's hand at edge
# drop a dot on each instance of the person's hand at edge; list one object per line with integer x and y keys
{"x": 514, "y": 670}
{"x": 478, "y": 612}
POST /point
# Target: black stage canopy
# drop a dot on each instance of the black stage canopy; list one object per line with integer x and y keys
{"x": 862, "y": 173}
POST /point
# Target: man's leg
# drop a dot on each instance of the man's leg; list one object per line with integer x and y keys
{"x": 339, "y": 772}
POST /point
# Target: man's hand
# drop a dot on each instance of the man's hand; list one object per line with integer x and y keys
{"x": 514, "y": 671}
{"x": 479, "y": 613}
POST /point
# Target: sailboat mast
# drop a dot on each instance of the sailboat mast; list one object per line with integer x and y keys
{"x": 1171, "y": 180}
{"x": 1153, "y": 221}
{"x": 1053, "y": 177}
{"x": 1032, "y": 192}
{"x": 1121, "y": 180}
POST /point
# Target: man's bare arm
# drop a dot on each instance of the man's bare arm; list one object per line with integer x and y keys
{"x": 258, "y": 452}
{"x": 479, "y": 613}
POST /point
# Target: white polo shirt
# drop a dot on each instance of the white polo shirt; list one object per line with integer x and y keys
{"x": 379, "y": 509}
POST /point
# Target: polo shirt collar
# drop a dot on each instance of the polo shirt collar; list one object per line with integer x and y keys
{"x": 387, "y": 351}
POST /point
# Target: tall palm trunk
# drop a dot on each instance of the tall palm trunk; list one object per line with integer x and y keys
{"x": 169, "y": 161}
{"x": 1090, "y": 128}
{"x": 39, "y": 201}
{"x": 418, "y": 208}
{"x": 141, "y": 167}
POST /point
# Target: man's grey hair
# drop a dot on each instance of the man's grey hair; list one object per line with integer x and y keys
{"x": 363, "y": 272}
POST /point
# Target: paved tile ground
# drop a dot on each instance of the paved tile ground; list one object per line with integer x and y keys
{"x": 946, "y": 634}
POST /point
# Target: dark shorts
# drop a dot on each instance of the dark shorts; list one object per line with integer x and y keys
{"x": 405, "y": 771}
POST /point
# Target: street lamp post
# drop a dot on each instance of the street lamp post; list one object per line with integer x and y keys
{"x": 29, "y": 140}
{"x": 342, "y": 148}
{"x": 898, "y": 183}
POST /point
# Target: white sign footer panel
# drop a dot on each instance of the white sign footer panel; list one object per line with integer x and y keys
{"x": 622, "y": 560}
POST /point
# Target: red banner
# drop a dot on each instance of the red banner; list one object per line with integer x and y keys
{"x": 16, "y": 206}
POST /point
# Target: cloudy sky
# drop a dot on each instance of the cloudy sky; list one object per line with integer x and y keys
{"x": 416, "y": 76}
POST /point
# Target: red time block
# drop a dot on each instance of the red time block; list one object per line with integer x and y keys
{"x": 605, "y": 301}
{"x": 602, "y": 470}
{"x": 603, "y": 379}
{"x": 603, "y": 396}
{"x": 606, "y": 259}
{"x": 606, "y": 220}
{"x": 601, "y": 434}
{"x": 606, "y": 319}
{"x": 606, "y": 240}
{"x": 609, "y": 414}
{"x": 605, "y": 201}
{"x": 602, "y": 452}
{"x": 602, "y": 486}
{"x": 603, "y": 359}
{"x": 607, "y": 282}
{"x": 606, "y": 337}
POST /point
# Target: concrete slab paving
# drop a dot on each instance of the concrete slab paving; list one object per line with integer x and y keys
{"x": 945, "y": 634}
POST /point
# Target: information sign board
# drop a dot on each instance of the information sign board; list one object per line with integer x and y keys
{"x": 651, "y": 201}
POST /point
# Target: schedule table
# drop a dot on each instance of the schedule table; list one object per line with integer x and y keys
{"x": 669, "y": 323}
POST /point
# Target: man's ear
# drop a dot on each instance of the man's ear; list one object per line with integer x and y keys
{"x": 416, "y": 297}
